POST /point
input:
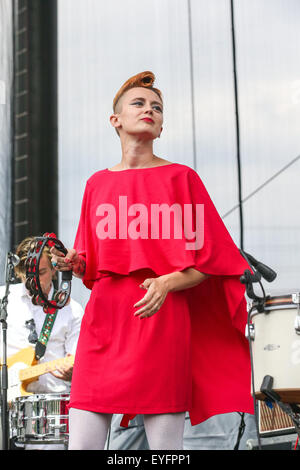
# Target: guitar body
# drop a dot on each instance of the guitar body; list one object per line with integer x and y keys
{"x": 23, "y": 368}
{"x": 19, "y": 361}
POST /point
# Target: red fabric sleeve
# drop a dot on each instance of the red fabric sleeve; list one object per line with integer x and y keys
{"x": 220, "y": 351}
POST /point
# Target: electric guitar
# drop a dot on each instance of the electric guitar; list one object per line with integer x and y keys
{"x": 23, "y": 368}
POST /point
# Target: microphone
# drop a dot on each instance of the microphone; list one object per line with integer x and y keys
{"x": 14, "y": 259}
{"x": 249, "y": 277}
{"x": 267, "y": 273}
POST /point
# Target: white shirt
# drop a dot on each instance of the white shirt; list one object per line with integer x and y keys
{"x": 63, "y": 338}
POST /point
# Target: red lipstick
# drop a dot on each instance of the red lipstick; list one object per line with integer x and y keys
{"x": 148, "y": 119}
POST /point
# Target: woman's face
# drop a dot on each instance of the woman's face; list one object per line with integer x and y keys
{"x": 139, "y": 112}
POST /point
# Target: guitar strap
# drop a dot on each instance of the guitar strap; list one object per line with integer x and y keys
{"x": 40, "y": 347}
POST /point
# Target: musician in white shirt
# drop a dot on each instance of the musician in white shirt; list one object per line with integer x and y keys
{"x": 64, "y": 335}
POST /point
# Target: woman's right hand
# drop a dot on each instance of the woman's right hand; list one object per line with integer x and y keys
{"x": 68, "y": 262}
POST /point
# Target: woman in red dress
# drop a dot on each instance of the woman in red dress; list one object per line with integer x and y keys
{"x": 179, "y": 347}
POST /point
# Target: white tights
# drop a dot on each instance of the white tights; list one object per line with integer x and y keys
{"x": 88, "y": 430}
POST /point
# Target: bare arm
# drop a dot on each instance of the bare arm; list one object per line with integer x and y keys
{"x": 79, "y": 267}
{"x": 159, "y": 287}
{"x": 181, "y": 280}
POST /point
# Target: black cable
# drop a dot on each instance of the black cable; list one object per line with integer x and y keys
{"x": 252, "y": 369}
{"x": 236, "y": 101}
{"x": 252, "y": 378}
{"x": 241, "y": 431}
{"x": 262, "y": 300}
{"x": 192, "y": 82}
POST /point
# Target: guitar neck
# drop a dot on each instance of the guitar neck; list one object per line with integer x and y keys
{"x": 40, "y": 369}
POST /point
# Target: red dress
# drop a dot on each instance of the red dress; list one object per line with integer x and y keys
{"x": 192, "y": 355}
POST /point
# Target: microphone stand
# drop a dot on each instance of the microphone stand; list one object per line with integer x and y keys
{"x": 9, "y": 279}
{"x": 259, "y": 270}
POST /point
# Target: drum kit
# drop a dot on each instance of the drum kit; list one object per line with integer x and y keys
{"x": 273, "y": 332}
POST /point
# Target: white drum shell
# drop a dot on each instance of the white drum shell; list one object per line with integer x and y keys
{"x": 276, "y": 352}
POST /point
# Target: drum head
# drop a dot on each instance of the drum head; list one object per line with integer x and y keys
{"x": 275, "y": 344}
{"x": 275, "y": 302}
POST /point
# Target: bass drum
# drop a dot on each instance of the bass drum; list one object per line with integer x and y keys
{"x": 42, "y": 418}
{"x": 275, "y": 342}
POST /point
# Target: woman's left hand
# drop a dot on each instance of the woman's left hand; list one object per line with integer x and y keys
{"x": 156, "y": 293}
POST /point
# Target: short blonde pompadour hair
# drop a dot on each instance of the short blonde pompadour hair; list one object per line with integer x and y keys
{"x": 143, "y": 79}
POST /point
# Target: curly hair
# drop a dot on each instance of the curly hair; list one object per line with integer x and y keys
{"x": 21, "y": 252}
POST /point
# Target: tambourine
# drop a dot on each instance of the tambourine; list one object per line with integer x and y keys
{"x": 32, "y": 274}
